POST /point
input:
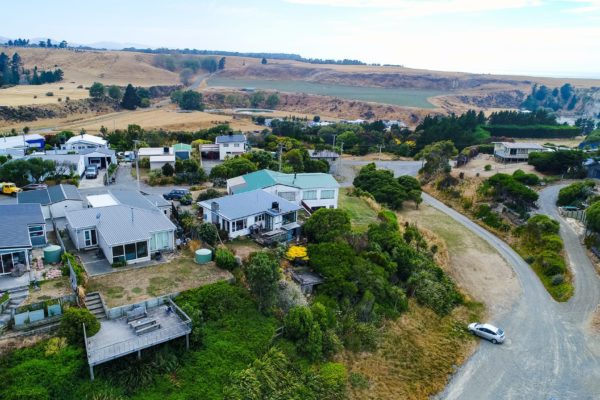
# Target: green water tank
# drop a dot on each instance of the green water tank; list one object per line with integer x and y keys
{"x": 52, "y": 254}
{"x": 203, "y": 256}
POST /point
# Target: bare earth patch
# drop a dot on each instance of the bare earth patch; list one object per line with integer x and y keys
{"x": 478, "y": 163}
{"x": 51, "y": 289}
{"x": 243, "y": 247}
{"x": 474, "y": 265}
{"x": 138, "y": 284}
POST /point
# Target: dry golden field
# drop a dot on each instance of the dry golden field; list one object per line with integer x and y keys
{"x": 36, "y": 94}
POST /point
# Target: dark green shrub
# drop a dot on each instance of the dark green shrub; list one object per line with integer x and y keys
{"x": 208, "y": 233}
{"x": 551, "y": 263}
{"x": 71, "y": 325}
{"x": 225, "y": 259}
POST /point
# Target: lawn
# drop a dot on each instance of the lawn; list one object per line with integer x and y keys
{"x": 138, "y": 284}
{"x": 50, "y": 289}
{"x": 361, "y": 213}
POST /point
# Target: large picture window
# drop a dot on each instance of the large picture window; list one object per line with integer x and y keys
{"x": 327, "y": 194}
{"x": 309, "y": 195}
{"x": 130, "y": 251}
{"x": 289, "y": 218}
{"x": 238, "y": 225}
{"x": 118, "y": 253}
{"x": 9, "y": 260}
{"x": 159, "y": 241}
{"x": 289, "y": 196}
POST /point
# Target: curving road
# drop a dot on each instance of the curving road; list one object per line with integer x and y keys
{"x": 549, "y": 353}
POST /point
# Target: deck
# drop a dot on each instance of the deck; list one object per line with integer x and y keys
{"x": 117, "y": 338}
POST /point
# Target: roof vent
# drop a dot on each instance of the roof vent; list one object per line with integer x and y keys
{"x": 275, "y": 205}
{"x": 166, "y": 150}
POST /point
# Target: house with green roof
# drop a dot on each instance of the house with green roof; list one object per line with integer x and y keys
{"x": 182, "y": 151}
{"x": 311, "y": 190}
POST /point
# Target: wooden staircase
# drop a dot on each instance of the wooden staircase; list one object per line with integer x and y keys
{"x": 93, "y": 302}
{"x": 16, "y": 297}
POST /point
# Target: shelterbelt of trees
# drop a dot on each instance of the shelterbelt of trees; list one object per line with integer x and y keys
{"x": 13, "y": 73}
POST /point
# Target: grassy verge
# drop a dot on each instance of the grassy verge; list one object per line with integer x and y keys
{"x": 464, "y": 200}
{"x": 416, "y": 354}
{"x": 361, "y": 213}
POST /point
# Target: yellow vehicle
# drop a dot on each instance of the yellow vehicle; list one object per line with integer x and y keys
{"x": 10, "y": 188}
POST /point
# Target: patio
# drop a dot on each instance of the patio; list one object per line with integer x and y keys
{"x": 118, "y": 338}
{"x": 98, "y": 265}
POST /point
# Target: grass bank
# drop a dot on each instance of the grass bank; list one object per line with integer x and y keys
{"x": 362, "y": 214}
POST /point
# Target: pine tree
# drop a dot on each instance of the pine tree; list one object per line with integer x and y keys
{"x": 130, "y": 98}
{"x": 222, "y": 63}
{"x": 15, "y": 66}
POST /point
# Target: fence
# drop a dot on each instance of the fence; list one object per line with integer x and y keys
{"x": 41, "y": 313}
{"x": 118, "y": 312}
{"x": 576, "y": 214}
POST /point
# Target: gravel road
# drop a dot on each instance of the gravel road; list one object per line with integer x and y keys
{"x": 549, "y": 353}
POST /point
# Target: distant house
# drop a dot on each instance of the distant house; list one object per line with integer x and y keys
{"x": 507, "y": 152}
{"x": 147, "y": 152}
{"x": 55, "y": 201}
{"x": 593, "y": 168}
{"x": 123, "y": 232}
{"x": 130, "y": 198}
{"x": 326, "y": 155}
{"x": 231, "y": 145}
{"x": 65, "y": 163}
{"x": 22, "y": 227}
{"x": 157, "y": 162}
{"x": 100, "y": 157}
{"x": 253, "y": 211}
{"x": 310, "y": 190}
{"x": 182, "y": 151}
{"x": 84, "y": 141}
{"x": 16, "y": 146}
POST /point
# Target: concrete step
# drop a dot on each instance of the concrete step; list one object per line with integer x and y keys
{"x": 18, "y": 294}
{"x": 93, "y": 301}
{"x": 4, "y": 318}
{"x": 19, "y": 289}
{"x": 95, "y": 307}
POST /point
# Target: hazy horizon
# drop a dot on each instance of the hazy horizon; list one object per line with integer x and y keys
{"x": 514, "y": 37}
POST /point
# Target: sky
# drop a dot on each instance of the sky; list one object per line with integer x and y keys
{"x": 535, "y": 37}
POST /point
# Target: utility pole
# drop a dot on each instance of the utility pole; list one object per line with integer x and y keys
{"x": 137, "y": 165}
{"x": 339, "y": 170}
{"x": 380, "y": 146}
{"x": 334, "y": 141}
{"x": 280, "y": 151}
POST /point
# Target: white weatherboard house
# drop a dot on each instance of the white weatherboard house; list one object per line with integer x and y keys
{"x": 16, "y": 146}
{"x": 507, "y": 151}
{"x": 84, "y": 141}
{"x": 130, "y": 228}
{"x": 309, "y": 190}
{"x": 231, "y": 145}
{"x": 253, "y": 211}
{"x": 55, "y": 200}
{"x": 22, "y": 227}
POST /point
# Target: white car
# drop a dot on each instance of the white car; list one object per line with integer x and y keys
{"x": 487, "y": 331}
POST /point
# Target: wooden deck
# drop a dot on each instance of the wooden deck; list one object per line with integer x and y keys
{"x": 117, "y": 338}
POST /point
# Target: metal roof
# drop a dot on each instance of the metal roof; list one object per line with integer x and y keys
{"x": 8, "y": 142}
{"x": 182, "y": 147}
{"x": 265, "y": 178}
{"x": 154, "y": 151}
{"x": 87, "y": 138}
{"x": 101, "y": 150}
{"x": 102, "y": 200}
{"x": 521, "y": 145}
{"x": 68, "y": 158}
{"x": 51, "y": 195}
{"x": 120, "y": 224}
{"x": 15, "y": 220}
{"x": 249, "y": 203}
{"x": 162, "y": 159}
{"x": 230, "y": 138}
{"x": 136, "y": 199}
{"x": 323, "y": 154}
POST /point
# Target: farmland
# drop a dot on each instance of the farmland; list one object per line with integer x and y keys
{"x": 396, "y": 96}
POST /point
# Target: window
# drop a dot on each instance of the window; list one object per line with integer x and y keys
{"x": 9, "y": 260}
{"x": 225, "y": 144}
{"x": 309, "y": 195}
{"x": 259, "y": 218}
{"x": 289, "y": 196}
{"x": 35, "y": 231}
{"x": 238, "y": 225}
{"x": 130, "y": 253}
{"x": 118, "y": 254}
{"x": 327, "y": 194}
{"x": 236, "y": 145}
{"x": 142, "y": 249}
{"x": 90, "y": 237}
{"x": 159, "y": 241}
{"x": 289, "y": 218}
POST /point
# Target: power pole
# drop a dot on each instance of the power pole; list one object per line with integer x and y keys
{"x": 380, "y": 146}
{"x": 137, "y": 165}
{"x": 334, "y": 141}
{"x": 280, "y": 151}
{"x": 339, "y": 170}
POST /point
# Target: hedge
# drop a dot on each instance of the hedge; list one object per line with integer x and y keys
{"x": 533, "y": 131}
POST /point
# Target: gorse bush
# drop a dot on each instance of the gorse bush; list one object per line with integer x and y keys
{"x": 225, "y": 259}
{"x": 71, "y": 325}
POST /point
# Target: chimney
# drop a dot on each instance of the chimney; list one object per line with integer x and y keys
{"x": 214, "y": 206}
{"x": 275, "y": 205}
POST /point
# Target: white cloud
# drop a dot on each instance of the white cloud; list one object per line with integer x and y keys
{"x": 585, "y": 6}
{"x": 418, "y": 8}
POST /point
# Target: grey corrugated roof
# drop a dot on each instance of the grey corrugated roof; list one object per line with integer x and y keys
{"x": 15, "y": 220}
{"x": 102, "y": 150}
{"x": 249, "y": 203}
{"x": 70, "y": 158}
{"x": 136, "y": 199}
{"x": 157, "y": 200}
{"x": 120, "y": 224}
{"x": 53, "y": 194}
{"x": 230, "y": 138}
